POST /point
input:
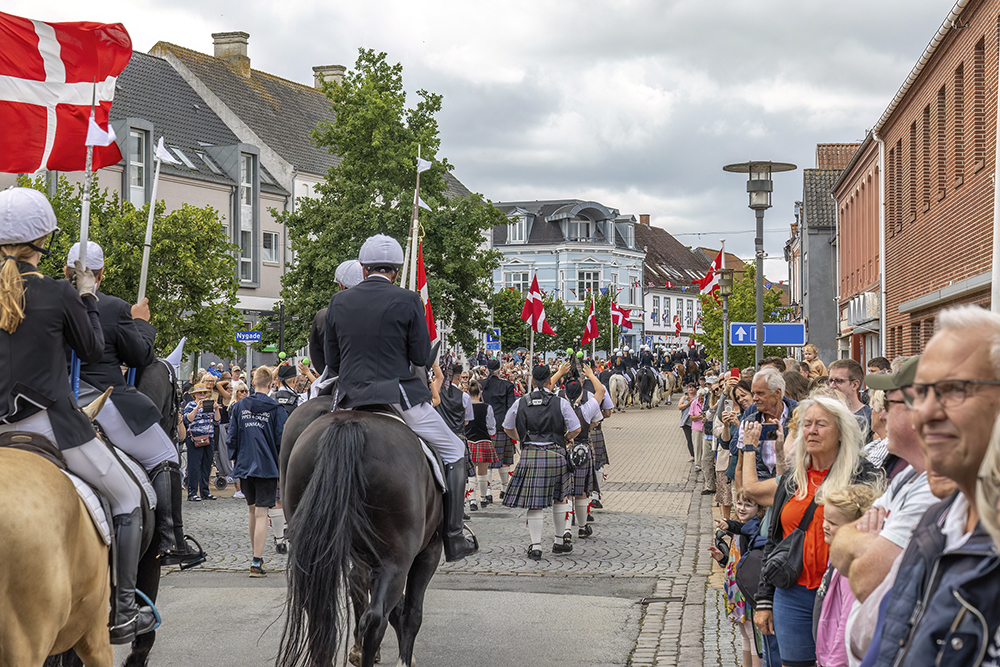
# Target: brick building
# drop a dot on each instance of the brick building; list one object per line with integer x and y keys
{"x": 936, "y": 142}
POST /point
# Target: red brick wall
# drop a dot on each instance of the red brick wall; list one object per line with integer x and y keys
{"x": 834, "y": 156}
{"x": 857, "y": 222}
{"x": 936, "y": 236}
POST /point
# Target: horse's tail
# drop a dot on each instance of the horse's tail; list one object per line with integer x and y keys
{"x": 330, "y": 529}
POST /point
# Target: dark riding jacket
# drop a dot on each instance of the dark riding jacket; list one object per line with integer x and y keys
{"x": 498, "y": 393}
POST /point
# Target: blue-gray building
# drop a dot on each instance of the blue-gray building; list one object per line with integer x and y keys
{"x": 573, "y": 246}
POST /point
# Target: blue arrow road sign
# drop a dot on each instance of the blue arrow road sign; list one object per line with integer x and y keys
{"x": 248, "y": 336}
{"x": 493, "y": 339}
{"x": 781, "y": 334}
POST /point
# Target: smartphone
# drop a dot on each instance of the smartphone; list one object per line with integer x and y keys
{"x": 769, "y": 432}
{"x": 734, "y": 372}
{"x": 208, "y": 405}
{"x": 730, "y": 406}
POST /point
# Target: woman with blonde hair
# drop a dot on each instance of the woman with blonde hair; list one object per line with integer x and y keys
{"x": 826, "y": 452}
{"x": 39, "y": 317}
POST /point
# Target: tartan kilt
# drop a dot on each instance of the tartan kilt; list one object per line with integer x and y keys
{"x": 470, "y": 469}
{"x": 599, "y": 448}
{"x": 541, "y": 476}
{"x": 482, "y": 451}
{"x": 505, "y": 450}
{"x": 583, "y": 478}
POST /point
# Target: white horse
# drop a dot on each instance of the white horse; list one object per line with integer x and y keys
{"x": 619, "y": 390}
{"x": 670, "y": 383}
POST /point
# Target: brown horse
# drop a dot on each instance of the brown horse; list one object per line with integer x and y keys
{"x": 54, "y": 578}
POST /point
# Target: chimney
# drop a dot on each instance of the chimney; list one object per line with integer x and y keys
{"x": 328, "y": 74}
{"x": 644, "y": 219}
{"x": 232, "y": 48}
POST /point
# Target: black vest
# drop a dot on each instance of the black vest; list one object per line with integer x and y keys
{"x": 452, "y": 408}
{"x": 287, "y": 399}
{"x": 539, "y": 418}
{"x": 476, "y": 429}
{"x": 584, "y": 424}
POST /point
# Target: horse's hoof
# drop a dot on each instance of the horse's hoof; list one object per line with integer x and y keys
{"x": 354, "y": 657}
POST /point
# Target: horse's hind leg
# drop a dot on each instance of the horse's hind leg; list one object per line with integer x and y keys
{"x": 388, "y": 583}
{"x": 423, "y": 568}
{"x": 94, "y": 648}
{"x": 359, "y": 582}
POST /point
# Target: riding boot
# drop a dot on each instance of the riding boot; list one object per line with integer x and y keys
{"x": 173, "y": 547}
{"x": 130, "y": 620}
{"x": 456, "y": 545}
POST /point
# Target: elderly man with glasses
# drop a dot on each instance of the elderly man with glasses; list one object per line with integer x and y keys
{"x": 930, "y": 618}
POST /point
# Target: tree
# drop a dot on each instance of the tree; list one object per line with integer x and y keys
{"x": 191, "y": 284}
{"x": 742, "y": 308}
{"x": 370, "y": 191}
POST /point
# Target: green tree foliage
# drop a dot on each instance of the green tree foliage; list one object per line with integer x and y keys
{"x": 742, "y": 308}
{"x": 370, "y": 191}
{"x": 191, "y": 284}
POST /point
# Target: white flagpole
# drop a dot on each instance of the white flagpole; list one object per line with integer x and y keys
{"x": 409, "y": 280}
{"x": 531, "y": 353}
{"x": 149, "y": 233}
{"x": 85, "y": 204}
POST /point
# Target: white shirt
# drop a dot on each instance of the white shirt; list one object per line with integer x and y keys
{"x": 766, "y": 447}
{"x": 591, "y": 411}
{"x": 568, "y": 415}
{"x": 954, "y": 524}
{"x": 904, "y": 505}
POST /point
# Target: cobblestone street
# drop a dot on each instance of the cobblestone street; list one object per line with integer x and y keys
{"x": 654, "y": 531}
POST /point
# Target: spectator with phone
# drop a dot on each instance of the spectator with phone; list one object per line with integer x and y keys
{"x": 201, "y": 417}
{"x": 758, "y": 455}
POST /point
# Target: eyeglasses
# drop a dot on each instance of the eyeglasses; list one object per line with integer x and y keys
{"x": 950, "y": 393}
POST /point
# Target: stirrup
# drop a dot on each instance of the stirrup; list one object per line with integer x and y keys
{"x": 185, "y": 560}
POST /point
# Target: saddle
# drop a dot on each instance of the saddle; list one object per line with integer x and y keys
{"x": 433, "y": 458}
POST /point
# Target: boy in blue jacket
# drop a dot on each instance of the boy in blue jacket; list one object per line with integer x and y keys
{"x": 255, "y": 427}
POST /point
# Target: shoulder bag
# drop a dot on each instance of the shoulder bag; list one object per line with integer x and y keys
{"x": 748, "y": 575}
{"x": 783, "y": 567}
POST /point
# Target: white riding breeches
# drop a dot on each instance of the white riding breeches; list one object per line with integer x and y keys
{"x": 428, "y": 423}
{"x": 92, "y": 462}
{"x": 149, "y": 448}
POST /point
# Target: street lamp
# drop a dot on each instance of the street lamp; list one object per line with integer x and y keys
{"x": 726, "y": 290}
{"x": 759, "y": 186}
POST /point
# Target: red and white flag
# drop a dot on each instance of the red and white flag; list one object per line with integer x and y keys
{"x": 50, "y": 74}
{"x": 591, "y": 332}
{"x": 710, "y": 283}
{"x": 424, "y": 293}
{"x": 534, "y": 310}
{"x": 620, "y": 316}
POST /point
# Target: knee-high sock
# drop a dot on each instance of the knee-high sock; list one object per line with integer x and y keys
{"x": 559, "y": 519}
{"x": 470, "y": 489}
{"x": 277, "y": 517}
{"x": 504, "y": 478}
{"x": 483, "y": 483}
{"x": 580, "y": 509}
{"x": 535, "y": 526}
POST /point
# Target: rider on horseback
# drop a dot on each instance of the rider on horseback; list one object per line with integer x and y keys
{"x": 129, "y": 418}
{"x": 376, "y": 333}
{"x": 38, "y": 317}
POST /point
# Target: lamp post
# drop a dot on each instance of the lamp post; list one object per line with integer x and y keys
{"x": 759, "y": 186}
{"x": 725, "y": 289}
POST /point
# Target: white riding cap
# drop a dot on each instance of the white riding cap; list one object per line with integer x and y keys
{"x": 95, "y": 256}
{"x": 381, "y": 250}
{"x": 25, "y": 216}
{"x": 349, "y": 273}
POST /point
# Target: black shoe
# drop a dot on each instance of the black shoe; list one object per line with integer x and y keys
{"x": 502, "y": 495}
{"x": 708, "y": 492}
{"x": 473, "y": 506}
{"x": 465, "y": 516}
{"x": 194, "y": 499}
{"x": 563, "y": 548}
{"x": 488, "y": 500}
{"x": 281, "y": 545}
{"x": 596, "y": 504}
{"x": 209, "y": 496}
{"x": 457, "y": 545}
{"x": 590, "y": 517}
{"x": 586, "y": 531}
{"x": 534, "y": 554}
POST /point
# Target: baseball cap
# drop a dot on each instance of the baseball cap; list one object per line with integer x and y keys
{"x": 25, "y": 216}
{"x": 903, "y": 377}
{"x": 349, "y": 273}
{"x": 381, "y": 250}
{"x": 95, "y": 256}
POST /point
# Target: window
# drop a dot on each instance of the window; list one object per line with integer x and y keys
{"x": 270, "y": 249}
{"x": 656, "y": 308}
{"x": 246, "y": 213}
{"x": 666, "y": 306}
{"x": 246, "y": 180}
{"x": 680, "y": 311}
{"x": 246, "y": 255}
{"x": 137, "y": 168}
{"x": 633, "y": 289}
{"x": 959, "y": 123}
{"x": 518, "y": 281}
{"x": 516, "y": 230}
{"x": 942, "y": 142}
{"x": 979, "y": 102}
{"x": 587, "y": 280}
{"x": 914, "y": 337}
{"x": 208, "y": 163}
{"x": 184, "y": 158}
{"x": 689, "y": 322}
{"x": 578, "y": 230}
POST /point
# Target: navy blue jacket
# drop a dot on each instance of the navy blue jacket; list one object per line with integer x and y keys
{"x": 255, "y": 427}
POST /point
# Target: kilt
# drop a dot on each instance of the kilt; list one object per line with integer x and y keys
{"x": 470, "y": 469}
{"x": 583, "y": 478}
{"x": 541, "y": 476}
{"x": 600, "y": 450}
{"x": 482, "y": 451}
{"x": 505, "y": 450}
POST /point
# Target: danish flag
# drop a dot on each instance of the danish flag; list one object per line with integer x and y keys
{"x": 710, "y": 283}
{"x": 50, "y": 75}
{"x": 620, "y": 316}
{"x": 534, "y": 310}
{"x": 424, "y": 293}
{"x": 591, "y": 332}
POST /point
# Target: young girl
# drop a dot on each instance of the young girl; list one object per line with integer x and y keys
{"x": 840, "y": 506}
{"x": 746, "y": 536}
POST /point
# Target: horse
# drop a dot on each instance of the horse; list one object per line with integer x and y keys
{"x": 367, "y": 524}
{"x": 619, "y": 390}
{"x": 647, "y": 387}
{"x": 669, "y": 385}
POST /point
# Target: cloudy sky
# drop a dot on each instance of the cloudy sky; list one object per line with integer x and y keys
{"x": 634, "y": 103}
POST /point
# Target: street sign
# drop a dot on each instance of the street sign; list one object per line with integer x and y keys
{"x": 493, "y": 339}
{"x": 779, "y": 334}
{"x": 248, "y": 336}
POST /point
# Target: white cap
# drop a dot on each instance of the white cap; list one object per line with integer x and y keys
{"x": 95, "y": 256}
{"x": 25, "y": 216}
{"x": 381, "y": 249}
{"x": 349, "y": 273}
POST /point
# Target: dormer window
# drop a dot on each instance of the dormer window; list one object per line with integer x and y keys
{"x": 578, "y": 230}
{"x": 517, "y": 230}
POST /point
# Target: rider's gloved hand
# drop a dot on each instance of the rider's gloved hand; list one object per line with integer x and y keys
{"x": 84, "y": 280}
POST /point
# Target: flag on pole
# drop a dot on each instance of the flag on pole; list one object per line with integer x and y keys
{"x": 710, "y": 283}
{"x": 96, "y": 136}
{"x": 424, "y": 293}
{"x": 534, "y": 310}
{"x": 423, "y": 165}
{"x": 620, "y": 316}
{"x": 590, "y": 333}
{"x": 163, "y": 155}
{"x": 50, "y": 76}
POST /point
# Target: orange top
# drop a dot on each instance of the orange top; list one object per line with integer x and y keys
{"x": 815, "y": 550}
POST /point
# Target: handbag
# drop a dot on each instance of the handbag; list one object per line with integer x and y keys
{"x": 578, "y": 455}
{"x": 202, "y": 440}
{"x": 784, "y": 565}
{"x": 748, "y": 575}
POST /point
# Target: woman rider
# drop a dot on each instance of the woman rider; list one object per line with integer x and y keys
{"x": 39, "y": 316}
